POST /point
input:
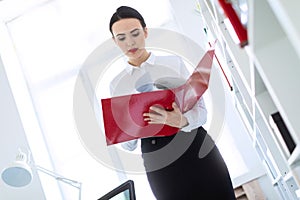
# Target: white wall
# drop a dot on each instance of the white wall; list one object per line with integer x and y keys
{"x": 12, "y": 137}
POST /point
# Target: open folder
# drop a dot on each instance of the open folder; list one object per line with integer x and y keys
{"x": 123, "y": 115}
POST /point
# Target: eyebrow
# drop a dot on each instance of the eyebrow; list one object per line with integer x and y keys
{"x": 121, "y": 34}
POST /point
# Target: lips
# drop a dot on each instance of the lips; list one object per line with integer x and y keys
{"x": 132, "y": 50}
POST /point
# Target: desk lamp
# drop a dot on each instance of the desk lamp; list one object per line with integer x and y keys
{"x": 19, "y": 173}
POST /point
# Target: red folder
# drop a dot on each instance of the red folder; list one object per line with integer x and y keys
{"x": 123, "y": 115}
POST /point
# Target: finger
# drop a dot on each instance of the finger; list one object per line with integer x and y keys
{"x": 153, "y": 121}
{"x": 146, "y": 114}
{"x": 152, "y": 116}
{"x": 157, "y": 110}
{"x": 155, "y": 117}
{"x": 174, "y": 105}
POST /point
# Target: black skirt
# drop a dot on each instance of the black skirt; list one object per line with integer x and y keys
{"x": 186, "y": 166}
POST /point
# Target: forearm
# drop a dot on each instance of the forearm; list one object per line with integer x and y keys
{"x": 196, "y": 117}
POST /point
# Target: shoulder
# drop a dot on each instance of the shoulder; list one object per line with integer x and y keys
{"x": 118, "y": 77}
{"x": 162, "y": 59}
{"x": 170, "y": 56}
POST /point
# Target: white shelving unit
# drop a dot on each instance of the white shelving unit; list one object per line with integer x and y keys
{"x": 265, "y": 76}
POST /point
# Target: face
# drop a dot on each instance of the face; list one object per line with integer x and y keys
{"x": 130, "y": 36}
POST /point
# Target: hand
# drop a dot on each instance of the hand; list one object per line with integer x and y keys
{"x": 172, "y": 118}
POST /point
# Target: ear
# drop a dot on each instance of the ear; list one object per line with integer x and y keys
{"x": 114, "y": 39}
{"x": 146, "y": 32}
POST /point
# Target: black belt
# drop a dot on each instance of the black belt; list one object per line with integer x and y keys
{"x": 154, "y": 143}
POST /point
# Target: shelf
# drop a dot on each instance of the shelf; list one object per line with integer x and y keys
{"x": 265, "y": 76}
{"x": 273, "y": 154}
{"x": 276, "y": 61}
{"x": 244, "y": 95}
{"x": 263, "y": 27}
{"x": 245, "y": 115}
{"x": 216, "y": 23}
{"x": 291, "y": 184}
{"x": 295, "y": 156}
{"x": 281, "y": 75}
{"x": 239, "y": 56}
{"x": 258, "y": 83}
{"x": 265, "y": 103}
{"x": 286, "y": 143}
{"x": 288, "y": 15}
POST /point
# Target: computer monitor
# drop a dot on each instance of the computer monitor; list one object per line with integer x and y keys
{"x": 125, "y": 191}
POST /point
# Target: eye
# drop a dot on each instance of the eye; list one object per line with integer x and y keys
{"x": 121, "y": 38}
{"x": 135, "y": 33}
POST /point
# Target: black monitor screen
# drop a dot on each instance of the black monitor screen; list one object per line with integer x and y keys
{"x": 124, "y": 191}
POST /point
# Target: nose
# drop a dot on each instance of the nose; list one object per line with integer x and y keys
{"x": 130, "y": 41}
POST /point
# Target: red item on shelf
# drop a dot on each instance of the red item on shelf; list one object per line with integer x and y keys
{"x": 123, "y": 115}
{"x": 238, "y": 27}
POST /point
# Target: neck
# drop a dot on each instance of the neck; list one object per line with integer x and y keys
{"x": 138, "y": 61}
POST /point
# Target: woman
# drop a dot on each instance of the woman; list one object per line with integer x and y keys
{"x": 188, "y": 177}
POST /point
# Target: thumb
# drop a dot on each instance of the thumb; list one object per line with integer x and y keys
{"x": 174, "y": 105}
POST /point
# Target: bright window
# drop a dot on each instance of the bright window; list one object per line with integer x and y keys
{"x": 51, "y": 41}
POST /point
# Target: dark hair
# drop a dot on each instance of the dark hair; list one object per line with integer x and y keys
{"x": 124, "y": 12}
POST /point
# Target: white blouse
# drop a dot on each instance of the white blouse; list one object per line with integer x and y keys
{"x": 141, "y": 79}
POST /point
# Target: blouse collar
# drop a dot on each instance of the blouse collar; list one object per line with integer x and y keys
{"x": 150, "y": 62}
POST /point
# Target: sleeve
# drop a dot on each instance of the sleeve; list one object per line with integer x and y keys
{"x": 196, "y": 117}
{"x": 129, "y": 145}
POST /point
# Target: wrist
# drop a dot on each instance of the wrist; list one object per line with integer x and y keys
{"x": 184, "y": 122}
